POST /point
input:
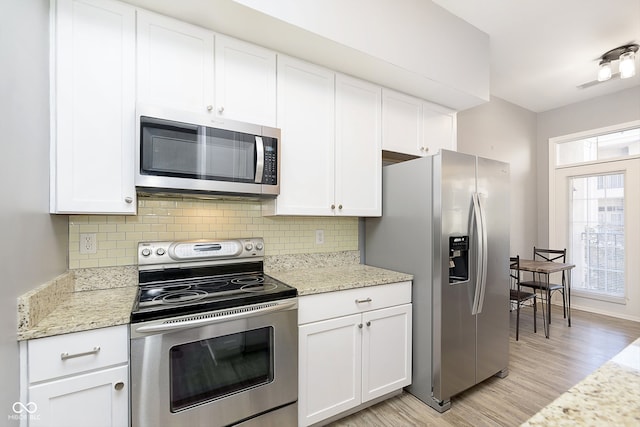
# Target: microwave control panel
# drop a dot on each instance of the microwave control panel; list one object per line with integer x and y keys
{"x": 270, "y": 174}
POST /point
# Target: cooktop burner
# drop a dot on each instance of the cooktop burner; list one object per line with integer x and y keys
{"x": 224, "y": 274}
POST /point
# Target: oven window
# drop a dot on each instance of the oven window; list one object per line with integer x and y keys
{"x": 213, "y": 368}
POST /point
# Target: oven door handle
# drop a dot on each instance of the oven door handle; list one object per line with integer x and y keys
{"x": 235, "y": 314}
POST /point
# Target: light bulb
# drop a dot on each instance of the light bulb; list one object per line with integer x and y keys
{"x": 604, "y": 73}
{"x": 627, "y": 65}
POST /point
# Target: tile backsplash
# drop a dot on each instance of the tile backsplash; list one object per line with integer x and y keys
{"x": 180, "y": 219}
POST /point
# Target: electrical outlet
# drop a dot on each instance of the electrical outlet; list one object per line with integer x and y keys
{"x": 319, "y": 237}
{"x": 88, "y": 244}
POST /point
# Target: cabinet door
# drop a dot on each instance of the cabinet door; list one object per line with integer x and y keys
{"x": 401, "y": 123}
{"x": 358, "y": 148}
{"x": 439, "y": 128}
{"x": 330, "y": 354}
{"x": 245, "y": 82}
{"x": 386, "y": 351}
{"x": 175, "y": 64}
{"x": 97, "y": 399}
{"x": 93, "y": 121}
{"x": 306, "y": 119}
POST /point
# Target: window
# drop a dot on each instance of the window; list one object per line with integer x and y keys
{"x": 597, "y": 233}
{"x": 614, "y": 145}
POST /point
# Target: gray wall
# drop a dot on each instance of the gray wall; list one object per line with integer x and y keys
{"x": 34, "y": 244}
{"x": 504, "y": 131}
{"x": 603, "y": 111}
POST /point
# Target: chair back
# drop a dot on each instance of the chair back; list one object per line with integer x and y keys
{"x": 553, "y": 255}
{"x": 514, "y": 271}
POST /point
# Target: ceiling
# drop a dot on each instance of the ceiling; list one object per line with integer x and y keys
{"x": 541, "y": 50}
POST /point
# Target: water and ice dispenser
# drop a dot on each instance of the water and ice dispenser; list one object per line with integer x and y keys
{"x": 458, "y": 259}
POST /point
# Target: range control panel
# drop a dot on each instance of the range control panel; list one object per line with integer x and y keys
{"x": 151, "y": 253}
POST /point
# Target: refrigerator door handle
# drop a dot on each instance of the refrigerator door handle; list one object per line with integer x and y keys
{"x": 477, "y": 221}
{"x": 485, "y": 254}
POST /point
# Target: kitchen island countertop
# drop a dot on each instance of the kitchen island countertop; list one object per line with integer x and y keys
{"x": 609, "y": 396}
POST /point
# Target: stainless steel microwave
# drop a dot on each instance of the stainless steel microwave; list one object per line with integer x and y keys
{"x": 181, "y": 152}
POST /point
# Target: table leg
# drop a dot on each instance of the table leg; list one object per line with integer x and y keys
{"x": 543, "y": 297}
{"x": 569, "y": 297}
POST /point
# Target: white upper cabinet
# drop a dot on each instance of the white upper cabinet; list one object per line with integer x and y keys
{"x": 415, "y": 127}
{"x": 439, "y": 128}
{"x": 175, "y": 64}
{"x": 401, "y": 123}
{"x": 93, "y": 106}
{"x": 326, "y": 169}
{"x": 189, "y": 68}
{"x": 306, "y": 119}
{"x": 245, "y": 82}
{"x": 358, "y": 169}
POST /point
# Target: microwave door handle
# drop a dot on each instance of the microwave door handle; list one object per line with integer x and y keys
{"x": 259, "y": 159}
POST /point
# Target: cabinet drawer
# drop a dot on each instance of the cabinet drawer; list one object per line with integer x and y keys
{"x": 68, "y": 354}
{"x": 312, "y": 308}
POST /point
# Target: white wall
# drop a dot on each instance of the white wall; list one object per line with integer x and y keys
{"x": 608, "y": 110}
{"x": 33, "y": 248}
{"x": 504, "y": 131}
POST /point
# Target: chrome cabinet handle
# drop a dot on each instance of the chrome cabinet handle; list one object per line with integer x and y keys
{"x": 119, "y": 385}
{"x": 128, "y": 200}
{"x": 333, "y": 207}
{"x": 360, "y": 325}
{"x": 339, "y": 206}
{"x": 221, "y": 109}
{"x": 65, "y": 356}
{"x": 369, "y": 323}
{"x": 362, "y": 301}
{"x": 209, "y": 107}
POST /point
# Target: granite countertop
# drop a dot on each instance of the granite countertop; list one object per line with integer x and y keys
{"x": 78, "y": 300}
{"x": 92, "y": 298}
{"x": 315, "y": 280}
{"x": 610, "y": 396}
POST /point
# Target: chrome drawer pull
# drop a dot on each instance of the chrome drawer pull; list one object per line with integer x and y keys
{"x": 65, "y": 356}
{"x": 361, "y": 301}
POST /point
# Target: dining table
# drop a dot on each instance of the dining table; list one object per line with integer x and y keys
{"x": 547, "y": 268}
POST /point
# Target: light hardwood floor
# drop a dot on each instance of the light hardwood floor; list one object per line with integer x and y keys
{"x": 540, "y": 370}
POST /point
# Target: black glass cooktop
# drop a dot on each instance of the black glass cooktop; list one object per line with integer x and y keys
{"x": 175, "y": 292}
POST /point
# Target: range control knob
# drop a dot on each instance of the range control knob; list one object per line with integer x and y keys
{"x": 160, "y": 251}
{"x": 146, "y": 252}
{"x": 259, "y": 246}
{"x": 248, "y": 246}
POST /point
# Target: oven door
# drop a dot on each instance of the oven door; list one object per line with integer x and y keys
{"x": 214, "y": 369}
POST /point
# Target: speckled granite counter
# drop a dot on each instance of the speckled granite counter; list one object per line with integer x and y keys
{"x": 312, "y": 280}
{"x": 78, "y": 300}
{"x": 608, "y": 397}
{"x": 93, "y": 298}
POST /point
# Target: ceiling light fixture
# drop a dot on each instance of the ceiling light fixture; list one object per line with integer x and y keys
{"x": 627, "y": 65}
{"x": 604, "y": 73}
{"x": 626, "y": 55}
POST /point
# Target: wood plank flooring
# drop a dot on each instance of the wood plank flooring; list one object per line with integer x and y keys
{"x": 540, "y": 370}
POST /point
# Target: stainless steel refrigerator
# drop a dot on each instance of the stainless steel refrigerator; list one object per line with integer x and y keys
{"x": 445, "y": 219}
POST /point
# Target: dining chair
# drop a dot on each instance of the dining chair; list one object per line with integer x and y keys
{"x": 518, "y": 296}
{"x": 540, "y": 283}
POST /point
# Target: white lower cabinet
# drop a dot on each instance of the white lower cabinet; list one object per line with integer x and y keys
{"x": 79, "y": 379}
{"x": 96, "y": 399}
{"x": 354, "y": 346}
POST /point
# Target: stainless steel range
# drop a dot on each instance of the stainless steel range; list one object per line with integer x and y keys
{"x": 214, "y": 340}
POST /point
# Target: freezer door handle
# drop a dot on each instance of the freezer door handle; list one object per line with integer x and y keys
{"x": 481, "y": 239}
